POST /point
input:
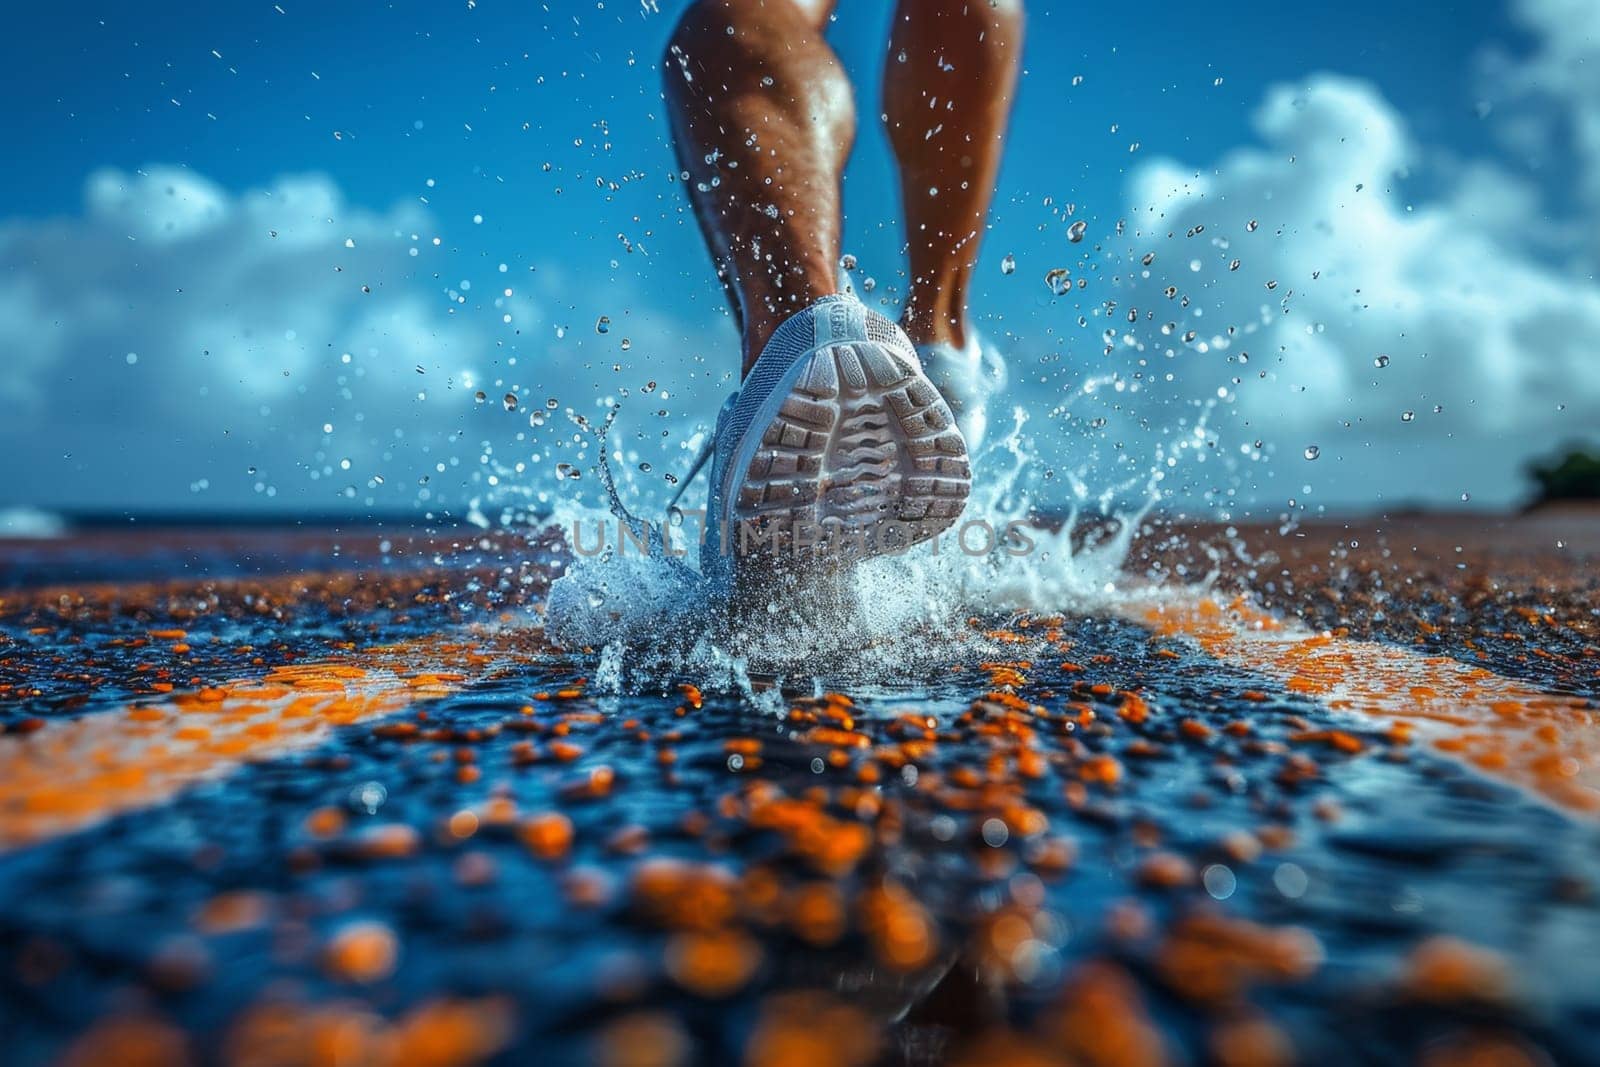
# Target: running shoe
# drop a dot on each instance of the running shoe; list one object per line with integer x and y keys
{"x": 967, "y": 378}
{"x": 836, "y": 448}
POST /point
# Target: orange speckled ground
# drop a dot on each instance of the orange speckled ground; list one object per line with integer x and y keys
{"x": 285, "y": 799}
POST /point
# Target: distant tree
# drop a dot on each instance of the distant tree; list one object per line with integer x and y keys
{"x": 1575, "y": 476}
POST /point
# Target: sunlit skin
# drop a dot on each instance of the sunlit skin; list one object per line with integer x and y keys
{"x": 764, "y": 122}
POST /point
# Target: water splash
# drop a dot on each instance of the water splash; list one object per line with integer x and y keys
{"x": 611, "y": 598}
{"x": 900, "y": 618}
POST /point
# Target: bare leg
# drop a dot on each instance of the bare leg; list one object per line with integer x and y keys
{"x": 763, "y": 123}
{"x": 947, "y": 105}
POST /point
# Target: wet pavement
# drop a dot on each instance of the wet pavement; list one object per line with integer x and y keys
{"x": 321, "y": 797}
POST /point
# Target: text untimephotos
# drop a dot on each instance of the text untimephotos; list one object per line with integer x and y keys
{"x": 774, "y": 537}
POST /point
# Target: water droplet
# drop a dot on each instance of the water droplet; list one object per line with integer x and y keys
{"x": 1312, "y": 452}
{"x": 510, "y": 401}
{"x": 368, "y": 797}
{"x": 626, "y": 344}
{"x": 1407, "y": 416}
{"x": 1251, "y": 225}
{"x": 552, "y": 403}
{"x": 1008, "y": 265}
{"x": 847, "y": 261}
{"x": 1058, "y": 281}
{"x": 480, "y": 396}
{"x": 1076, "y": 231}
{"x": 602, "y": 324}
{"x": 1381, "y": 362}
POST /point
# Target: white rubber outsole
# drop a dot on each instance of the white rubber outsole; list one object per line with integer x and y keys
{"x": 861, "y": 451}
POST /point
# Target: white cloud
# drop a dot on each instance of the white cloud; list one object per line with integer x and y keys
{"x": 1545, "y": 109}
{"x": 177, "y": 334}
{"x": 1451, "y": 287}
{"x": 182, "y": 345}
{"x": 1566, "y": 69}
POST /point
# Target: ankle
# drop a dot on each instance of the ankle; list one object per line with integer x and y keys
{"x": 763, "y": 320}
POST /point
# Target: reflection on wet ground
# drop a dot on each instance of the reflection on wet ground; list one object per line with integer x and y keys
{"x": 363, "y": 812}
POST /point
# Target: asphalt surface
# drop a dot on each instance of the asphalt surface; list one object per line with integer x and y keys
{"x": 312, "y": 797}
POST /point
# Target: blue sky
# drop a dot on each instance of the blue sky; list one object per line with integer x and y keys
{"x": 207, "y": 189}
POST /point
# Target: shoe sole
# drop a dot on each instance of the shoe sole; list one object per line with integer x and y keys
{"x": 861, "y": 438}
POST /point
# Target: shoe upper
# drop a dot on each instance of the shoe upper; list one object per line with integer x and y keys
{"x": 968, "y": 378}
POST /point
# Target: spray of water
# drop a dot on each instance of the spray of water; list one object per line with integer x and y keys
{"x": 909, "y": 617}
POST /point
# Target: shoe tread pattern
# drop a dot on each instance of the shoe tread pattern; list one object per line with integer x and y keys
{"x": 862, "y": 438}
